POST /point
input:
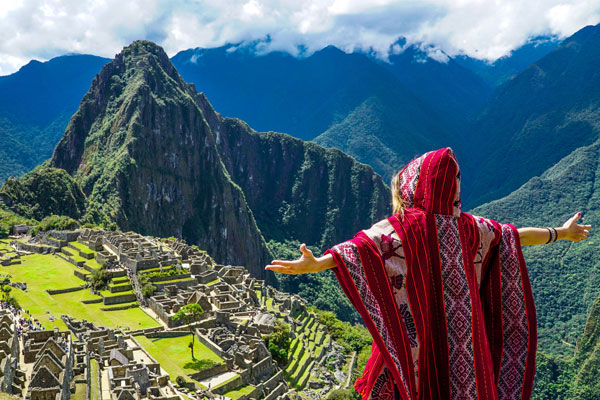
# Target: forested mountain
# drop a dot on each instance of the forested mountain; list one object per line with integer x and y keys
{"x": 36, "y": 104}
{"x": 448, "y": 87}
{"x": 536, "y": 118}
{"x": 565, "y": 276}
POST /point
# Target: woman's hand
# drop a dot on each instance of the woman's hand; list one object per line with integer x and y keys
{"x": 306, "y": 263}
{"x": 572, "y": 231}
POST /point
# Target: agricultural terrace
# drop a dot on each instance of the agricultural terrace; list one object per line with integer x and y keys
{"x": 42, "y": 272}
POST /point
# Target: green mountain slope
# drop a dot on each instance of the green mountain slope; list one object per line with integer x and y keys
{"x": 44, "y": 192}
{"x": 565, "y": 276}
{"x": 537, "y": 118}
{"x": 386, "y": 132}
{"x": 35, "y": 106}
{"x": 587, "y": 359}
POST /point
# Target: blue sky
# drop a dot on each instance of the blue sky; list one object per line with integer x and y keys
{"x": 486, "y": 29}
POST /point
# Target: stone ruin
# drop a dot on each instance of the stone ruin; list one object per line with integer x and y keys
{"x": 130, "y": 371}
{"x": 51, "y": 353}
{"x": 12, "y": 380}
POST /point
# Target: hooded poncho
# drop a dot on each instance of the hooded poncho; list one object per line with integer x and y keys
{"x": 445, "y": 295}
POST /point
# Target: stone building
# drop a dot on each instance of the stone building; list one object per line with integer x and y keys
{"x": 12, "y": 379}
{"x": 51, "y": 353}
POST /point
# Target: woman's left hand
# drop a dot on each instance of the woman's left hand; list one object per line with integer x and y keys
{"x": 572, "y": 231}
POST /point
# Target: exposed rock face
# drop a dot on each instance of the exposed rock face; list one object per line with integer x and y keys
{"x": 299, "y": 189}
{"x": 152, "y": 154}
{"x": 141, "y": 148}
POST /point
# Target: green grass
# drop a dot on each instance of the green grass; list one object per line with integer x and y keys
{"x": 81, "y": 247}
{"x": 43, "y": 272}
{"x": 93, "y": 263}
{"x": 270, "y": 304}
{"x": 95, "y": 381}
{"x": 119, "y": 284}
{"x": 80, "y": 392}
{"x": 305, "y": 376}
{"x": 173, "y": 354}
{"x": 301, "y": 362}
{"x": 239, "y": 392}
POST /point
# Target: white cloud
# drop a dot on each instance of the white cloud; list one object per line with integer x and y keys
{"x": 481, "y": 28}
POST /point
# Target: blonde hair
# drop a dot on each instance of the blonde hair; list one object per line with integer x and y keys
{"x": 397, "y": 201}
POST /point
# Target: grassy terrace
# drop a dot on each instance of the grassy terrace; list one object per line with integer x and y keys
{"x": 157, "y": 269}
{"x": 81, "y": 247}
{"x": 174, "y": 356}
{"x": 95, "y": 381}
{"x": 43, "y": 272}
{"x": 239, "y": 392}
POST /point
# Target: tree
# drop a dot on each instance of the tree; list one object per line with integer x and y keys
{"x": 279, "y": 342}
{"x": 189, "y": 314}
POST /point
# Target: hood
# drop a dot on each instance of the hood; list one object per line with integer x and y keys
{"x": 431, "y": 183}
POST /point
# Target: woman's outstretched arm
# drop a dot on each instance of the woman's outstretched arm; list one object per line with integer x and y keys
{"x": 570, "y": 230}
{"x": 306, "y": 263}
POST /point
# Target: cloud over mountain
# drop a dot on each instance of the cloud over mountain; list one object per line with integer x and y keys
{"x": 480, "y": 28}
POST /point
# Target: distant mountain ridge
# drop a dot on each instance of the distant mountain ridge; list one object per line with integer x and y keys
{"x": 565, "y": 276}
{"x": 537, "y": 118}
{"x": 306, "y": 97}
{"x": 36, "y": 104}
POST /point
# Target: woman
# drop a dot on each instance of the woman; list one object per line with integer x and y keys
{"x": 444, "y": 294}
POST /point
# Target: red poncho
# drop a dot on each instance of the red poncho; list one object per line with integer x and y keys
{"x": 444, "y": 294}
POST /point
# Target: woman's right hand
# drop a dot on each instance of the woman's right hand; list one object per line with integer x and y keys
{"x": 305, "y": 264}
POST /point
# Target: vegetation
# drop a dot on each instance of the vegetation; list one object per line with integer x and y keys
{"x": 9, "y": 219}
{"x": 351, "y": 337}
{"x": 55, "y": 222}
{"x": 5, "y": 294}
{"x": 278, "y": 342}
{"x": 99, "y": 279}
{"x": 44, "y": 192}
{"x": 148, "y": 288}
{"x": 343, "y": 394}
{"x": 187, "y": 315}
{"x": 565, "y": 276}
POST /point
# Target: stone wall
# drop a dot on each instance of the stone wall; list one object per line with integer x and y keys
{"x": 216, "y": 370}
{"x": 67, "y": 290}
{"x": 167, "y": 334}
{"x": 210, "y": 344}
{"x": 80, "y": 274}
{"x": 36, "y": 248}
{"x": 180, "y": 284}
{"x": 67, "y": 236}
{"x": 123, "y": 298}
{"x": 170, "y": 278}
{"x": 278, "y": 391}
{"x": 232, "y": 384}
